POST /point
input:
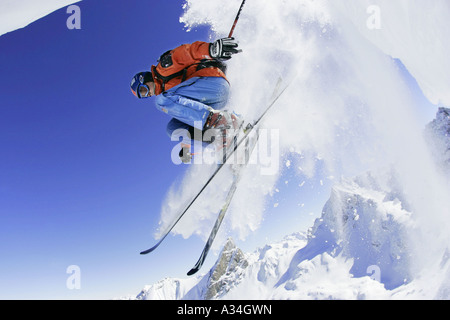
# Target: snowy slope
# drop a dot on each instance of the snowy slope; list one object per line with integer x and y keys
{"x": 16, "y": 14}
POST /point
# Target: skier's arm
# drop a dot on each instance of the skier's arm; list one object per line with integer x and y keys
{"x": 188, "y": 54}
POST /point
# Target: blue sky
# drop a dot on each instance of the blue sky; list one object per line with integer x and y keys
{"x": 85, "y": 166}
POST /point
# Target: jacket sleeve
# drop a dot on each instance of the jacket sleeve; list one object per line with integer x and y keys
{"x": 188, "y": 54}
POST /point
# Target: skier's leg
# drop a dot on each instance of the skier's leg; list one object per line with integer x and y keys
{"x": 214, "y": 92}
{"x": 190, "y": 138}
{"x": 192, "y": 101}
{"x": 194, "y": 106}
{"x": 211, "y": 91}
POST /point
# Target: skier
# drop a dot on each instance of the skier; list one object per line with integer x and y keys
{"x": 190, "y": 85}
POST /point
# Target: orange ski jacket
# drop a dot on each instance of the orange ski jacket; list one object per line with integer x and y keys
{"x": 185, "y": 62}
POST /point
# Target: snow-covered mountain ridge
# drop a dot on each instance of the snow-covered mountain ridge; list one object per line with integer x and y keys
{"x": 352, "y": 236}
{"x": 20, "y": 13}
{"x": 360, "y": 248}
{"x": 356, "y": 250}
{"x": 233, "y": 269}
{"x": 438, "y": 134}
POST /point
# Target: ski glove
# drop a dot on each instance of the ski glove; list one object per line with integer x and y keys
{"x": 223, "y": 49}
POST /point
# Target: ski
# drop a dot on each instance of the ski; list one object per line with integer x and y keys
{"x": 247, "y": 130}
{"x": 216, "y": 227}
{"x": 236, "y": 177}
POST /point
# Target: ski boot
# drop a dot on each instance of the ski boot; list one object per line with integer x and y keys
{"x": 227, "y": 126}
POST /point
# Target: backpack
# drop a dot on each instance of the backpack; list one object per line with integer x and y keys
{"x": 162, "y": 73}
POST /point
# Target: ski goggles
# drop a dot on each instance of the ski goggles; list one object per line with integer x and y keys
{"x": 143, "y": 91}
{"x": 138, "y": 86}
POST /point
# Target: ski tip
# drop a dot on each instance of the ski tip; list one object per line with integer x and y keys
{"x": 146, "y": 251}
{"x": 153, "y": 248}
{"x": 192, "y": 271}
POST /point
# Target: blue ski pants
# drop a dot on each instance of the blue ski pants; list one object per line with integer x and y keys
{"x": 188, "y": 103}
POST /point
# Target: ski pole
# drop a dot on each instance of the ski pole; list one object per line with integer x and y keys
{"x": 236, "y": 20}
